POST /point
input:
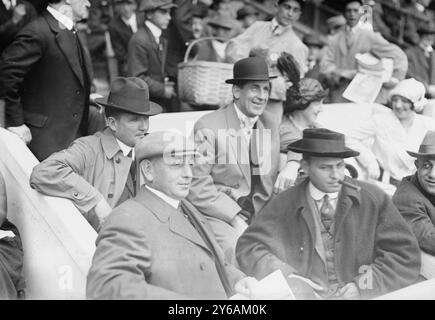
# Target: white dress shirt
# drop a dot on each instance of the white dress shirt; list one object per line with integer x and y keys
{"x": 66, "y": 21}
{"x": 156, "y": 31}
{"x": 132, "y": 22}
{"x": 9, "y": 4}
{"x": 246, "y": 123}
{"x": 125, "y": 149}
{"x": 171, "y": 201}
{"x": 318, "y": 195}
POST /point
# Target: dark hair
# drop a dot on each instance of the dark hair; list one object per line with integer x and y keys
{"x": 114, "y": 112}
{"x": 301, "y": 2}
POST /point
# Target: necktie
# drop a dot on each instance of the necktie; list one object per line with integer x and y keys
{"x": 132, "y": 170}
{"x": 349, "y": 38}
{"x": 327, "y": 213}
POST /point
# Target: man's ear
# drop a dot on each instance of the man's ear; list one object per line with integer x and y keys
{"x": 111, "y": 123}
{"x": 146, "y": 171}
{"x": 236, "y": 92}
{"x": 416, "y": 163}
{"x": 305, "y": 166}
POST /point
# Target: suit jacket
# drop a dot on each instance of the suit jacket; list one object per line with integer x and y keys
{"x": 338, "y": 56}
{"x": 146, "y": 60}
{"x": 418, "y": 210}
{"x": 420, "y": 67}
{"x": 8, "y": 29}
{"x": 91, "y": 169}
{"x": 120, "y": 35}
{"x": 44, "y": 86}
{"x": 225, "y": 169}
{"x": 148, "y": 250}
{"x": 369, "y": 235}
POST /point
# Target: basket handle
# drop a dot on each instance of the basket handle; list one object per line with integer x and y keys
{"x": 193, "y": 42}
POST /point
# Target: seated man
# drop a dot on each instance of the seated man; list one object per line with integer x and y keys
{"x": 157, "y": 245}
{"x": 342, "y": 234}
{"x": 241, "y": 147}
{"x": 12, "y": 282}
{"x": 415, "y": 196}
{"x": 94, "y": 172}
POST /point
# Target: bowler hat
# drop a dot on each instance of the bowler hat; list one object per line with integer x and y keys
{"x": 147, "y": 5}
{"x": 222, "y": 21}
{"x": 427, "y": 147}
{"x": 250, "y": 69}
{"x": 322, "y": 142}
{"x": 164, "y": 143}
{"x": 130, "y": 95}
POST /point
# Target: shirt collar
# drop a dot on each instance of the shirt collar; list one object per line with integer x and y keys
{"x": 63, "y": 19}
{"x": 9, "y": 4}
{"x": 318, "y": 195}
{"x": 156, "y": 31}
{"x": 132, "y": 22}
{"x": 277, "y": 28}
{"x": 245, "y": 120}
{"x": 171, "y": 201}
{"x": 125, "y": 149}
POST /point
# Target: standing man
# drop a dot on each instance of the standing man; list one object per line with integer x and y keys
{"x": 46, "y": 77}
{"x": 343, "y": 235}
{"x": 415, "y": 196}
{"x": 157, "y": 245}
{"x": 121, "y": 29}
{"x": 276, "y": 35}
{"x": 240, "y": 142}
{"x": 97, "y": 172}
{"x": 147, "y": 51}
{"x": 339, "y": 65}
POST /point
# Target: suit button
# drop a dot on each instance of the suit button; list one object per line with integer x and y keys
{"x": 76, "y": 194}
{"x": 202, "y": 266}
{"x": 237, "y": 186}
{"x": 75, "y": 115}
{"x": 78, "y": 92}
{"x": 118, "y": 160}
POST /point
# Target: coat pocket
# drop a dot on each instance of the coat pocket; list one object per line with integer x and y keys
{"x": 35, "y": 119}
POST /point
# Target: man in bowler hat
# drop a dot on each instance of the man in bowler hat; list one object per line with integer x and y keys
{"x": 157, "y": 245}
{"x": 240, "y": 144}
{"x": 415, "y": 196}
{"x": 345, "y": 236}
{"x": 97, "y": 172}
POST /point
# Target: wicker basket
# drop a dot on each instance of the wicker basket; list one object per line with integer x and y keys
{"x": 203, "y": 82}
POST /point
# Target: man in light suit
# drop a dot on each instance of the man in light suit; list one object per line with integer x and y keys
{"x": 240, "y": 144}
{"x": 147, "y": 51}
{"x": 95, "y": 172}
{"x": 46, "y": 76}
{"x": 339, "y": 65}
{"x": 157, "y": 245}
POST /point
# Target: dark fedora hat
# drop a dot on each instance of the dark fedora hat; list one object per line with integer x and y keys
{"x": 222, "y": 21}
{"x": 250, "y": 69}
{"x": 322, "y": 142}
{"x": 427, "y": 147}
{"x": 130, "y": 95}
{"x": 148, "y": 5}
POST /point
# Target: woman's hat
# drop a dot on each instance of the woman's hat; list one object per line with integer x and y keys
{"x": 412, "y": 90}
{"x": 320, "y": 142}
{"x": 130, "y": 95}
{"x": 427, "y": 147}
{"x": 250, "y": 69}
{"x": 310, "y": 90}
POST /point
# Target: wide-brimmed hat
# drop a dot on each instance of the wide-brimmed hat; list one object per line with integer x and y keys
{"x": 246, "y": 10}
{"x": 130, "y": 95}
{"x": 427, "y": 147}
{"x": 222, "y": 21}
{"x": 250, "y": 69}
{"x": 412, "y": 90}
{"x": 322, "y": 142}
{"x": 310, "y": 90}
{"x": 147, "y": 5}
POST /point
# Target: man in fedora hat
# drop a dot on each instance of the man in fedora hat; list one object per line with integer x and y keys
{"x": 344, "y": 235}
{"x": 240, "y": 144}
{"x": 415, "y": 195}
{"x": 147, "y": 51}
{"x": 97, "y": 172}
{"x": 157, "y": 245}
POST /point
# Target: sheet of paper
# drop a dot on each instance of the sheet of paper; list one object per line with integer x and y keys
{"x": 272, "y": 287}
{"x": 364, "y": 88}
{"x": 4, "y": 234}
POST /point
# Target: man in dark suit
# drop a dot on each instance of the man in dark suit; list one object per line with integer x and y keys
{"x": 415, "y": 196}
{"x": 342, "y": 234}
{"x": 421, "y": 60}
{"x": 147, "y": 51}
{"x": 157, "y": 245}
{"x": 46, "y": 77}
{"x": 14, "y": 14}
{"x": 121, "y": 29}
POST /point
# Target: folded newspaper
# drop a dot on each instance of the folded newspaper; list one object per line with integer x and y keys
{"x": 367, "y": 83}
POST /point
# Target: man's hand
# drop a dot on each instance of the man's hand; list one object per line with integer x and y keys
{"x": 169, "y": 89}
{"x": 248, "y": 287}
{"x": 102, "y": 210}
{"x": 348, "y": 74}
{"x": 286, "y": 177}
{"x": 373, "y": 170}
{"x": 23, "y": 132}
{"x": 18, "y": 13}
{"x": 239, "y": 224}
{"x": 348, "y": 292}
{"x": 431, "y": 90}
